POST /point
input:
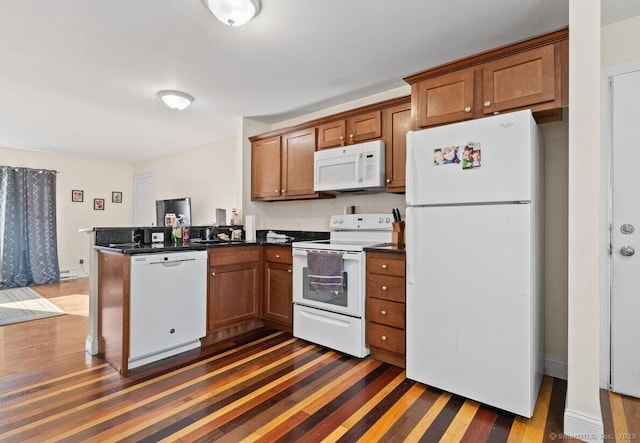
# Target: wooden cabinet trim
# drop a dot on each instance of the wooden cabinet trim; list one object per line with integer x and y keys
{"x": 334, "y": 117}
{"x": 492, "y": 54}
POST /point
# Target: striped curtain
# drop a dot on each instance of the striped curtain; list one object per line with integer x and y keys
{"x": 28, "y": 238}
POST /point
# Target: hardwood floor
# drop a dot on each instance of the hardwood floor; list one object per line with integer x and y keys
{"x": 264, "y": 386}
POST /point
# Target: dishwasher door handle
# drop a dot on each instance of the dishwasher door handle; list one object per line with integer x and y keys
{"x": 171, "y": 263}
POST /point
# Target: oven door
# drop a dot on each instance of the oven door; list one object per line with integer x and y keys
{"x": 349, "y": 301}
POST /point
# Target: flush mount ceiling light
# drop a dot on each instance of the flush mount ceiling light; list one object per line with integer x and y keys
{"x": 175, "y": 99}
{"x": 233, "y": 12}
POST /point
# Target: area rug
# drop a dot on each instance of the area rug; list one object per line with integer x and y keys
{"x": 24, "y": 304}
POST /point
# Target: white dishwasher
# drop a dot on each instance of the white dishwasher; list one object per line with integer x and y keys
{"x": 168, "y": 304}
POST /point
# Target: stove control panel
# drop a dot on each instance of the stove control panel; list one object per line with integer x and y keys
{"x": 365, "y": 222}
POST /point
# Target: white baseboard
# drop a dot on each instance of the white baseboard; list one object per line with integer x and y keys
{"x": 556, "y": 368}
{"x": 584, "y": 427}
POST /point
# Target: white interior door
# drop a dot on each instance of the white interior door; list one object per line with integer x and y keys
{"x": 144, "y": 210}
{"x": 625, "y": 260}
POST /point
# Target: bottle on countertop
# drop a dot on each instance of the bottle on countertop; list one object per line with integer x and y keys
{"x": 235, "y": 217}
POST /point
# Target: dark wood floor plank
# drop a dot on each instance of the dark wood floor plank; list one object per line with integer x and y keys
{"x": 409, "y": 420}
{"x": 555, "y": 416}
{"x": 480, "y": 426}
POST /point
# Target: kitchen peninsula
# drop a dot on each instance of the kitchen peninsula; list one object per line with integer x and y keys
{"x": 211, "y": 288}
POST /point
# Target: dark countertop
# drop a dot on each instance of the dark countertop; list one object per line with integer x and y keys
{"x": 147, "y": 248}
{"x": 387, "y": 247}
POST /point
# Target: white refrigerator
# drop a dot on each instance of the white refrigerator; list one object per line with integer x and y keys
{"x": 474, "y": 248}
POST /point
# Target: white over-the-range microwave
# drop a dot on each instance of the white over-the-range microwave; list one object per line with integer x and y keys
{"x": 353, "y": 168}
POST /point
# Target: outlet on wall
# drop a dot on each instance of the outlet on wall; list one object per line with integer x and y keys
{"x": 81, "y": 261}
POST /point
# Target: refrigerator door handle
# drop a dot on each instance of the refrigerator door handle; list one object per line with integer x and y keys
{"x": 410, "y": 251}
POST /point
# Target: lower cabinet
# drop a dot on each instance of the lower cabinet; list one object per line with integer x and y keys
{"x": 277, "y": 303}
{"x": 385, "y": 306}
{"x": 233, "y": 291}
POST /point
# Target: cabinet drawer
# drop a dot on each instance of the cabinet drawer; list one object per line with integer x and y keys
{"x": 385, "y": 337}
{"x": 278, "y": 254}
{"x": 385, "y": 312}
{"x": 385, "y": 287}
{"x": 382, "y": 264}
{"x": 233, "y": 254}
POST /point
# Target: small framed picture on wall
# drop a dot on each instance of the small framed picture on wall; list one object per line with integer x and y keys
{"x": 77, "y": 195}
{"x": 116, "y": 197}
{"x": 98, "y": 204}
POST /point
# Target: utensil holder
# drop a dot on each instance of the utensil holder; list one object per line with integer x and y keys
{"x": 397, "y": 234}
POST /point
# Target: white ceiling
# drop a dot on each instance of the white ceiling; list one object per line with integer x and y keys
{"x": 81, "y": 76}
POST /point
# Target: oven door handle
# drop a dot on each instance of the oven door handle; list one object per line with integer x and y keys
{"x": 345, "y": 255}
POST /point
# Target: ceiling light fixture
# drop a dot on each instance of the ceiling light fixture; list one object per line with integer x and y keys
{"x": 176, "y": 99}
{"x": 233, "y": 12}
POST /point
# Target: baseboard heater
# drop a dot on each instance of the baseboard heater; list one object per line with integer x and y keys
{"x": 68, "y": 274}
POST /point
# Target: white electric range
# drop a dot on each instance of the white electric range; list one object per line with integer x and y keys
{"x": 333, "y": 316}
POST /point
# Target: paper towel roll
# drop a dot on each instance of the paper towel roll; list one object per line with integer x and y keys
{"x": 250, "y": 228}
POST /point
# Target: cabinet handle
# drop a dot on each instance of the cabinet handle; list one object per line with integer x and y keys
{"x": 384, "y": 266}
{"x": 277, "y": 255}
{"x": 383, "y": 312}
{"x": 213, "y": 274}
{"x": 487, "y": 103}
{"x": 384, "y": 338}
{"x": 388, "y": 180}
{"x": 467, "y": 109}
{"x": 384, "y": 288}
{"x": 277, "y": 191}
{"x": 282, "y": 190}
{"x": 289, "y": 270}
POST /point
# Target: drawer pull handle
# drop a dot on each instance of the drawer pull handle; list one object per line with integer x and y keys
{"x": 384, "y": 266}
{"x": 213, "y": 274}
{"x": 384, "y": 288}
{"x": 289, "y": 270}
{"x": 384, "y": 338}
{"x": 383, "y": 312}
{"x": 277, "y": 255}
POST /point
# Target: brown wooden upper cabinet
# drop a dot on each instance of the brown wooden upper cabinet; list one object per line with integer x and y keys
{"x": 282, "y": 166}
{"x": 396, "y": 121}
{"x": 265, "y": 168}
{"x": 444, "y": 99}
{"x": 519, "y": 81}
{"x": 529, "y": 74}
{"x": 297, "y": 162}
{"x": 361, "y": 127}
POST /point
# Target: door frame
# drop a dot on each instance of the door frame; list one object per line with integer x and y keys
{"x": 606, "y": 202}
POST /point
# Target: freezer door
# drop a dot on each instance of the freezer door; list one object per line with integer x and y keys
{"x": 472, "y": 306}
{"x": 494, "y": 159}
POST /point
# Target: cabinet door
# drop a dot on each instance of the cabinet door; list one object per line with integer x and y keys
{"x": 331, "y": 134}
{"x": 265, "y": 168}
{"x": 297, "y": 160}
{"x": 364, "y": 127}
{"x": 520, "y": 80}
{"x": 396, "y": 121}
{"x": 444, "y": 99}
{"x": 233, "y": 294}
{"x": 278, "y": 303}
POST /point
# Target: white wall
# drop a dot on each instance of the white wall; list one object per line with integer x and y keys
{"x": 97, "y": 178}
{"x": 208, "y": 174}
{"x": 582, "y": 415}
{"x": 619, "y": 42}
